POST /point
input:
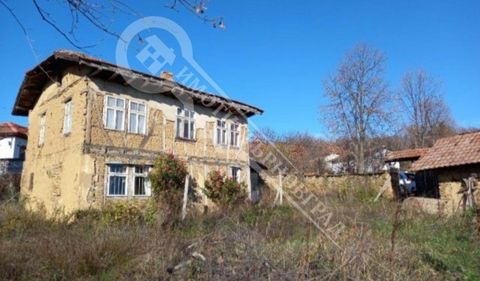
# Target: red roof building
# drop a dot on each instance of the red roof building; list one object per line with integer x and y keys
{"x": 406, "y": 155}
{"x": 9, "y": 129}
{"x": 453, "y": 151}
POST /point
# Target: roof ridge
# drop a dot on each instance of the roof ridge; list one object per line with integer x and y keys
{"x": 26, "y": 101}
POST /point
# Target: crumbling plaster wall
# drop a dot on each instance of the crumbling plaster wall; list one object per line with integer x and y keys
{"x": 325, "y": 184}
{"x": 450, "y": 183}
{"x": 52, "y": 175}
{"x": 109, "y": 146}
{"x": 67, "y": 172}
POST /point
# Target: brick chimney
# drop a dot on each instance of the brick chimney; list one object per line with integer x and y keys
{"x": 166, "y": 75}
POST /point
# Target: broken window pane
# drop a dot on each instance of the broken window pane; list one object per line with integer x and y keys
{"x": 185, "y": 130}
{"x": 192, "y": 130}
{"x": 179, "y": 125}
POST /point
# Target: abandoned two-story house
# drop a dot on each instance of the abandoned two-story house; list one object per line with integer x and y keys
{"x": 93, "y": 137}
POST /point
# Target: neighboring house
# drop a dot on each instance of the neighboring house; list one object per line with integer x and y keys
{"x": 403, "y": 159}
{"x": 93, "y": 137}
{"x": 449, "y": 162}
{"x": 13, "y": 140}
{"x": 334, "y": 164}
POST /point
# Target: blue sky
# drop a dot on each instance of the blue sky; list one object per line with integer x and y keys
{"x": 275, "y": 54}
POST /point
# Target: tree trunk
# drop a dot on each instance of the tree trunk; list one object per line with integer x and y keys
{"x": 361, "y": 159}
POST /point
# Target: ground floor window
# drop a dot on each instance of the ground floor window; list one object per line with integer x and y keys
{"x": 235, "y": 173}
{"x": 117, "y": 178}
{"x": 141, "y": 183}
{"x": 124, "y": 180}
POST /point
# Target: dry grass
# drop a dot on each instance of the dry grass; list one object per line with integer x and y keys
{"x": 251, "y": 243}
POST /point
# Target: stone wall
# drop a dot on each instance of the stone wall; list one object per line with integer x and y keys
{"x": 52, "y": 171}
{"x": 425, "y": 205}
{"x": 450, "y": 183}
{"x": 343, "y": 183}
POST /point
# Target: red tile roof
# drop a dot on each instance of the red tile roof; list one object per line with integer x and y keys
{"x": 452, "y": 151}
{"x": 9, "y": 129}
{"x": 407, "y": 154}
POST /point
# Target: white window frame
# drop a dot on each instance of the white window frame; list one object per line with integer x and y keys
{"x": 147, "y": 184}
{"x": 234, "y": 134}
{"x": 219, "y": 130}
{"x": 138, "y": 114}
{"x": 188, "y": 116}
{"x": 112, "y": 174}
{"x": 67, "y": 117}
{"x": 238, "y": 178}
{"x": 42, "y": 128}
{"x": 116, "y": 110}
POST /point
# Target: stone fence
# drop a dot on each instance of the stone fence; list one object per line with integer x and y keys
{"x": 342, "y": 183}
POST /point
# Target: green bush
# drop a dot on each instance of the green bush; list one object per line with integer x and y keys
{"x": 168, "y": 180}
{"x": 225, "y": 192}
{"x": 117, "y": 213}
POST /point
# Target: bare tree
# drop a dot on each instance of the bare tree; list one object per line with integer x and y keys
{"x": 99, "y": 14}
{"x": 304, "y": 151}
{"x": 427, "y": 114}
{"x": 358, "y": 100}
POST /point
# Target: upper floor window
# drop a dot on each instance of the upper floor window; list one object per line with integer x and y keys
{"x": 137, "y": 120}
{"x": 114, "y": 113}
{"x": 221, "y": 132}
{"x": 234, "y": 135}
{"x": 67, "y": 118}
{"x": 185, "y": 124}
{"x": 41, "y": 132}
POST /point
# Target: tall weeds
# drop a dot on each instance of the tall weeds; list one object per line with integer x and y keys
{"x": 248, "y": 243}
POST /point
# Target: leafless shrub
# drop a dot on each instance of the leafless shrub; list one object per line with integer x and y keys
{"x": 358, "y": 100}
{"x": 427, "y": 113}
{"x": 9, "y": 187}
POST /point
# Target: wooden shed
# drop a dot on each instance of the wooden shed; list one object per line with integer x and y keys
{"x": 452, "y": 160}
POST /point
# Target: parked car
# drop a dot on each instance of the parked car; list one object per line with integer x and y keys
{"x": 407, "y": 182}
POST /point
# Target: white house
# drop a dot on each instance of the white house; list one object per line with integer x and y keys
{"x": 13, "y": 140}
{"x": 334, "y": 164}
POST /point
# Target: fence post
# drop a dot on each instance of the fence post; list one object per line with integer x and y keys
{"x": 280, "y": 186}
{"x": 185, "y": 198}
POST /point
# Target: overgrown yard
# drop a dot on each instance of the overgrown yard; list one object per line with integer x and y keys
{"x": 249, "y": 243}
